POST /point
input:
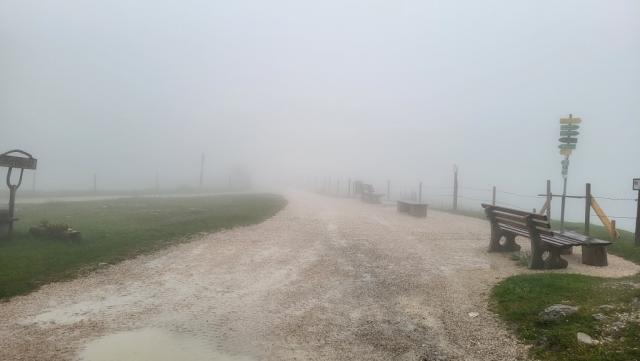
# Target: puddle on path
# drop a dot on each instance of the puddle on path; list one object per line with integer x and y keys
{"x": 151, "y": 344}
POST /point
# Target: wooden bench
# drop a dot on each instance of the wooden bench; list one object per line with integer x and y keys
{"x": 507, "y": 223}
{"x": 415, "y": 209}
{"x": 370, "y": 197}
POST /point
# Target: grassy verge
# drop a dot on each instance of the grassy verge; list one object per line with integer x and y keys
{"x": 520, "y": 299}
{"x": 115, "y": 230}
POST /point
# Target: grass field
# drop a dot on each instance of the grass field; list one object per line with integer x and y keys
{"x": 115, "y": 230}
{"x": 520, "y": 299}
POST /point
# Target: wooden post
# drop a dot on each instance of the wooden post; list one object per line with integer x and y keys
{"x": 587, "y": 209}
{"x": 455, "y": 187}
{"x": 549, "y": 198}
{"x": 637, "y": 242}
{"x": 493, "y": 198}
{"x": 613, "y": 230}
{"x": 12, "y": 204}
{"x": 420, "y": 193}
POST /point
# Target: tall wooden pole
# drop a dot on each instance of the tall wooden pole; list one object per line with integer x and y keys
{"x": 637, "y": 242}
{"x": 587, "y": 209}
{"x": 455, "y": 187}
{"x": 493, "y": 198}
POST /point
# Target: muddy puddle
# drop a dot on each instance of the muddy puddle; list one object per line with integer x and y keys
{"x": 152, "y": 344}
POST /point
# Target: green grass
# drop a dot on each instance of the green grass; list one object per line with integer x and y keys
{"x": 520, "y": 299}
{"x": 115, "y": 230}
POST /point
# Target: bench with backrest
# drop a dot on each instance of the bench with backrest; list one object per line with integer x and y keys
{"x": 415, "y": 209}
{"x": 507, "y": 223}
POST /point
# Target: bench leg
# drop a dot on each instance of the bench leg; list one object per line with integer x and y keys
{"x": 554, "y": 261}
{"x": 509, "y": 245}
{"x": 537, "y": 250}
{"x": 594, "y": 255}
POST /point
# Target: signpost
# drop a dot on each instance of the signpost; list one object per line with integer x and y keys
{"x": 568, "y": 130}
{"x": 11, "y": 161}
{"x": 636, "y": 187}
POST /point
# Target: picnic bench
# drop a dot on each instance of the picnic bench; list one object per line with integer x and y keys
{"x": 415, "y": 209}
{"x": 507, "y": 223}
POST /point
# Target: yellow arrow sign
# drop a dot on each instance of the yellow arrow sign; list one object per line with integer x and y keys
{"x": 570, "y": 120}
{"x": 565, "y": 151}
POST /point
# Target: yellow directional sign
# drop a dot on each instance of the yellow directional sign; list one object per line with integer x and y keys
{"x": 570, "y": 120}
{"x": 566, "y": 152}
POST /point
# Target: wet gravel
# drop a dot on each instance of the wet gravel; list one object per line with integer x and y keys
{"x": 325, "y": 279}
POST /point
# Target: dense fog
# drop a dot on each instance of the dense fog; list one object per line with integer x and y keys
{"x": 295, "y": 92}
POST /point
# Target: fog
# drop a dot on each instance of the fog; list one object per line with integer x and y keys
{"x": 297, "y": 92}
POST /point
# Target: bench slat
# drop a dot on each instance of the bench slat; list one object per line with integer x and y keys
{"x": 514, "y": 211}
{"x": 538, "y": 222}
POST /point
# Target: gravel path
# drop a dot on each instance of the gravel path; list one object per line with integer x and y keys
{"x": 325, "y": 279}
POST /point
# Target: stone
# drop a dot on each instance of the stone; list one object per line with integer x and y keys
{"x": 557, "y": 312}
{"x": 473, "y": 314}
{"x": 599, "y": 317}
{"x": 586, "y": 339}
{"x": 606, "y": 307}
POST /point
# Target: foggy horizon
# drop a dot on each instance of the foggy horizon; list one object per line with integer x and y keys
{"x": 296, "y": 91}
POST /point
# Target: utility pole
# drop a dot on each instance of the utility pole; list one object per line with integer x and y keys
{"x": 455, "y": 187}
{"x": 568, "y": 132}
{"x": 201, "y": 169}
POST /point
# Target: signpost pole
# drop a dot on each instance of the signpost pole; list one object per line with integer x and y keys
{"x": 564, "y": 199}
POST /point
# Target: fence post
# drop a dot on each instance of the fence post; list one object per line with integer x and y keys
{"x": 455, "y": 187}
{"x": 587, "y": 209}
{"x": 637, "y": 242}
{"x": 613, "y": 230}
